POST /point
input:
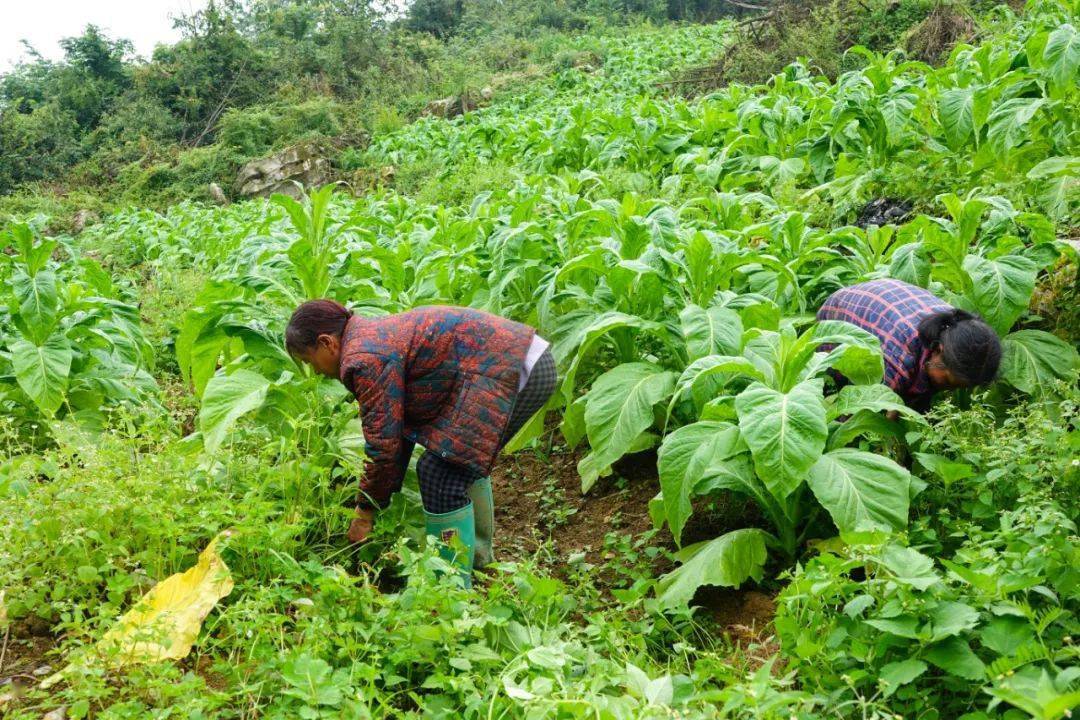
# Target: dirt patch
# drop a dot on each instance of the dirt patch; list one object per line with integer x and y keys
{"x": 538, "y": 498}
{"x": 25, "y": 661}
{"x": 745, "y": 618}
{"x": 745, "y": 613}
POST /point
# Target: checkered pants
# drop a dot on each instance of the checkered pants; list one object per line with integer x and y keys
{"x": 444, "y": 486}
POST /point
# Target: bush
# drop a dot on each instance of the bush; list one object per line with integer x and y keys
{"x": 188, "y": 176}
{"x": 256, "y": 130}
{"x": 821, "y": 32}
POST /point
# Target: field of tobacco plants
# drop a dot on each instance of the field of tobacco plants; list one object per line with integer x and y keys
{"x": 693, "y": 529}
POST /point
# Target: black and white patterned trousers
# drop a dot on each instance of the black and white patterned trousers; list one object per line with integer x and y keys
{"x": 444, "y": 486}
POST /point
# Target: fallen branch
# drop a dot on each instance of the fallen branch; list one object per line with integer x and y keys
{"x": 746, "y": 6}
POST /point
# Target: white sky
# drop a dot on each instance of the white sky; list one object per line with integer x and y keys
{"x": 44, "y": 22}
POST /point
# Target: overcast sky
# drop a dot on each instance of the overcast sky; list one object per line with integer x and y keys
{"x": 45, "y": 22}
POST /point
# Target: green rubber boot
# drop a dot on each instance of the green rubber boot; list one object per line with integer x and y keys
{"x": 484, "y": 515}
{"x": 457, "y": 532}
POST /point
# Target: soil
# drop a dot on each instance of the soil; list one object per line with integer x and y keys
{"x": 538, "y": 498}
{"x": 26, "y": 660}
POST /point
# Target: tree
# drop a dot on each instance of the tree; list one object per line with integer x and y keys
{"x": 438, "y": 17}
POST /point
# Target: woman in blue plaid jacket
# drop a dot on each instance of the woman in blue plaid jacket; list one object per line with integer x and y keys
{"x": 927, "y": 344}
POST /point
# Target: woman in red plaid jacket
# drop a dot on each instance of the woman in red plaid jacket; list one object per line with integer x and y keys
{"x": 457, "y": 381}
{"x": 927, "y": 344}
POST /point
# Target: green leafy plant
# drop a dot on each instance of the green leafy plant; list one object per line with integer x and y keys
{"x": 768, "y": 432}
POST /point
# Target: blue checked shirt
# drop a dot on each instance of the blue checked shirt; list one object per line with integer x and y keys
{"x": 891, "y": 310}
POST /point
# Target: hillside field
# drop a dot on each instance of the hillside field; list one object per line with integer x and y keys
{"x": 698, "y": 526}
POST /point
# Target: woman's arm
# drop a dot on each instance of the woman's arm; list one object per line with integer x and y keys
{"x": 379, "y": 386}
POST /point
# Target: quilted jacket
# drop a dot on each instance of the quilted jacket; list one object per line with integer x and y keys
{"x": 443, "y": 377}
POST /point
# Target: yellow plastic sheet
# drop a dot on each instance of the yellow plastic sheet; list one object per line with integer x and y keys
{"x": 164, "y": 624}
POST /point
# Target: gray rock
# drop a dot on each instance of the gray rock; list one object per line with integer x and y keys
{"x": 217, "y": 194}
{"x": 59, "y": 713}
{"x": 281, "y": 172}
{"x": 444, "y": 108}
{"x": 82, "y": 219}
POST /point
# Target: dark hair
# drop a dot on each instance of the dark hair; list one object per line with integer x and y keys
{"x": 969, "y": 347}
{"x": 312, "y": 319}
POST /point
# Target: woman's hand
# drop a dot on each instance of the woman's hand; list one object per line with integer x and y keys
{"x": 361, "y": 525}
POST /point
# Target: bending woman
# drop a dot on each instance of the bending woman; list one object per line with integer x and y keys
{"x": 927, "y": 344}
{"x": 459, "y": 382}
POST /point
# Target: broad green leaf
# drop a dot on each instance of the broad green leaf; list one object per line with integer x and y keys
{"x": 785, "y": 431}
{"x": 683, "y": 461}
{"x": 897, "y": 674}
{"x": 910, "y": 566}
{"x": 1010, "y": 123}
{"x": 896, "y": 108}
{"x": 199, "y": 345}
{"x": 1001, "y": 288}
{"x": 573, "y": 422}
{"x": 671, "y": 142}
{"x": 715, "y": 331}
{"x": 311, "y": 680}
{"x": 38, "y": 302}
{"x": 952, "y": 618}
{"x": 713, "y": 365}
{"x": 1005, "y": 635}
{"x": 1058, "y": 184}
{"x": 956, "y": 109}
{"x": 1062, "y": 56}
{"x": 581, "y": 341}
{"x": 955, "y": 657}
{"x": 33, "y": 255}
{"x": 727, "y": 561}
{"x": 910, "y": 264}
{"x": 42, "y": 370}
{"x": 948, "y": 470}
{"x": 967, "y": 218}
{"x": 878, "y": 398}
{"x": 619, "y": 409}
{"x": 1034, "y": 360}
{"x": 861, "y": 490}
{"x": 1034, "y": 691}
{"x": 781, "y": 171}
{"x": 862, "y": 423}
{"x": 226, "y": 399}
{"x": 857, "y": 355}
{"x": 904, "y": 626}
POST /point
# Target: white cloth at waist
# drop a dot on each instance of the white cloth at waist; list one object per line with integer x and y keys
{"x": 539, "y": 345}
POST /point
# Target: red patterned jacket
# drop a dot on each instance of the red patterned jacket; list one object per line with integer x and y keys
{"x": 442, "y": 377}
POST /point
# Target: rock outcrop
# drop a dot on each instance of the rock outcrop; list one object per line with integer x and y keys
{"x": 306, "y": 164}
{"x": 450, "y": 107}
{"x": 217, "y": 194}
